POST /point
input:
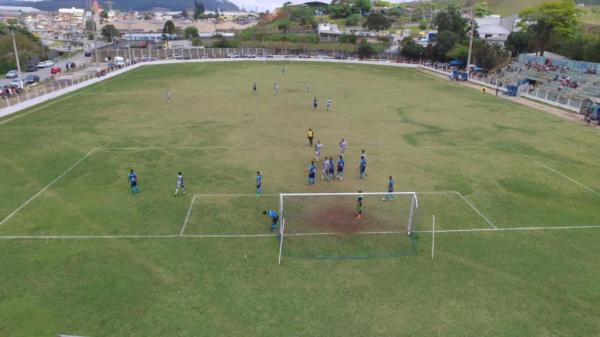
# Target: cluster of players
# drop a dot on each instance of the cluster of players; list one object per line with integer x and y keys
{"x": 330, "y": 171}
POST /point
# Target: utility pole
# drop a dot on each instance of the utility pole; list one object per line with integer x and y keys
{"x": 471, "y": 38}
{"x": 12, "y": 32}
{"x": 96, "y": 19}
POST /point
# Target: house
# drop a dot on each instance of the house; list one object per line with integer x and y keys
{"x": 328, "y": 32}
{"x": 495, "y": 29}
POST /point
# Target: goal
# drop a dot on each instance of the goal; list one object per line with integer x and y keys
{"x": 326, "y": 225}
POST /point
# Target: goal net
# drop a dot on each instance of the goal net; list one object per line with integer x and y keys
{"x": 329, "y": 226}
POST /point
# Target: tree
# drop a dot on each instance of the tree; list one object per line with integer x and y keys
{"x": 591, "y": 52}
{"x": 423, "y": 25}
{"x": 284, "y": 25}
{"x": 364, "y": 6}
{"x": 191, "y": 32}
{"x": 365, "y": 50}
{"x": 409, "y": 48}
{"x": 353, "y": 20}
{"x": 198, "y": 9}
{"x": 517, "y": 43}
{"x": 168, "y": 30}
{"x": 488, "y": 55}
{"x": 459, "y": 52}
{"x": 450, "y": 19}
{"x": 548, "y": 20}
{"x": 109, "y": 32}
{"x": 304, "y": 15}
{"x": 377, "y": 22}
{"x": 341, "y": 10}
{"x": 481, "y": 9}
{"x": 446, "y": 40}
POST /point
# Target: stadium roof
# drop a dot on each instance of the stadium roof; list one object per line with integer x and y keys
{"x": 18, "y": 9}
{"x": 310, "y": 3}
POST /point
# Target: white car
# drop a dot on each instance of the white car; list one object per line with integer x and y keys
{"x": 45, "y": 64}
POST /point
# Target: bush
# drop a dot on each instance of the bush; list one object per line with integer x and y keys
{"x": 366, "y": 50}
{"x": 353, "y": 20}
{"x": 347, "y": 38}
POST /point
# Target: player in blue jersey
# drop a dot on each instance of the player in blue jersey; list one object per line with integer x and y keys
{"x": 390, "y": 189}
{"x": 331, "y": 172}
{"x": 315, "y": 103}
{"x": 254, "y": 88}
{"x": 258, "y": 183}
{"x": 274, "y": 217}
{"x": 312, "y": 172}
{"x": 133, "y": 182}
{"x": 180, "y": 184}
{"x": 363, "y": 167}
{"x": 340, "y": 168}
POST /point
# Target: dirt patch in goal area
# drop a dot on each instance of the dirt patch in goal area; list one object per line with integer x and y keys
{"x": 341, "y": 219}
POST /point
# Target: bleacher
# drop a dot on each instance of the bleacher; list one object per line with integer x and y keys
{"x": 556, "y": 76}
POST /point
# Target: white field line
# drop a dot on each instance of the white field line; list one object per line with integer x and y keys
{"x": 513, "y": 229}
{"x": 559, "y": 173}
{"x": 187, "y": 215}
{"x": 233, "y": 195}
{"x": 46, "y": 187}
{"x": 121, "y": 237}
{"x": 254, "y": 145}
{"x": 42, "y": 106}
{"x": 207, "y": 236}
{"x": 476, "y": 210}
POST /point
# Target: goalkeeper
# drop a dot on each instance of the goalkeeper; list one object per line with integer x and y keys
{"x": 359, "y": 206}
{"x": 274, "y": 217}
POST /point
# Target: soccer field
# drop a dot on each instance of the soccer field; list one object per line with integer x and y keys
{"x": 515, "y": 193}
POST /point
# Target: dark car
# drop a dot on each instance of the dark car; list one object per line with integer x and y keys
{"x": 31, "y": 79}
{"x": 88, "y": 54}
{"x": 30, "y": 68}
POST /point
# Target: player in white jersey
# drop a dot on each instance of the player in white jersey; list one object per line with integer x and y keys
{"x": 168, "y": 94}
{"x": 318, "y": 148}
{"x": 329, "y": 103}
{"x": 180, "y": 184}
{"x": 343, "y": 146}
{"x": 276, "y": 89}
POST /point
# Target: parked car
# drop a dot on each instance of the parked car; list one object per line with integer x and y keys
{"x": 119, "y": 61}
{"x": 12, "y": 74}
{"x": 16, "y": 83}
{"x": 30, "y": 68}
{"x": 31, "y": 79}
{"x": 55, "y": 70}
{"x": 87, "y": 53}
{"x": 45, "y": 64}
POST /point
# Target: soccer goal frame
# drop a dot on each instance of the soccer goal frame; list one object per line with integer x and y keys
{"x": 414, "y": 204}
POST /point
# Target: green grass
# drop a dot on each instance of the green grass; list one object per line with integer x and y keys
{"x": 515, "y": 165}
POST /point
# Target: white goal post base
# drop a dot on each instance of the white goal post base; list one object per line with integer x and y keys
{"x": 412, "y": 196}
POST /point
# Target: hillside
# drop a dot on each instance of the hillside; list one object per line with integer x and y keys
{"x": 138, "y": 5}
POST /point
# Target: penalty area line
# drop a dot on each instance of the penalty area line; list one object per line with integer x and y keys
{"x": 23, "y": 205}
{"x": 477, "y": 211}
{"x": 187, "y": 215}
{"x": 513, "y": 229}
{"x": 558, "y": 172}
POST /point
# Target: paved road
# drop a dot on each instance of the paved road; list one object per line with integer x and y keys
{"x": 78, "y": 59}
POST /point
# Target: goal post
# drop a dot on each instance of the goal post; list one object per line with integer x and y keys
{"x": 337, "y": 225}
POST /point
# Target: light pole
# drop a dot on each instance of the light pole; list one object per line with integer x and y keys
{"x": 12, "y": 32}
{"x": 471, "y": 39}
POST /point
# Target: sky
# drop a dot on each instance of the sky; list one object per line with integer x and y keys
{"x": 271, "y": 4}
